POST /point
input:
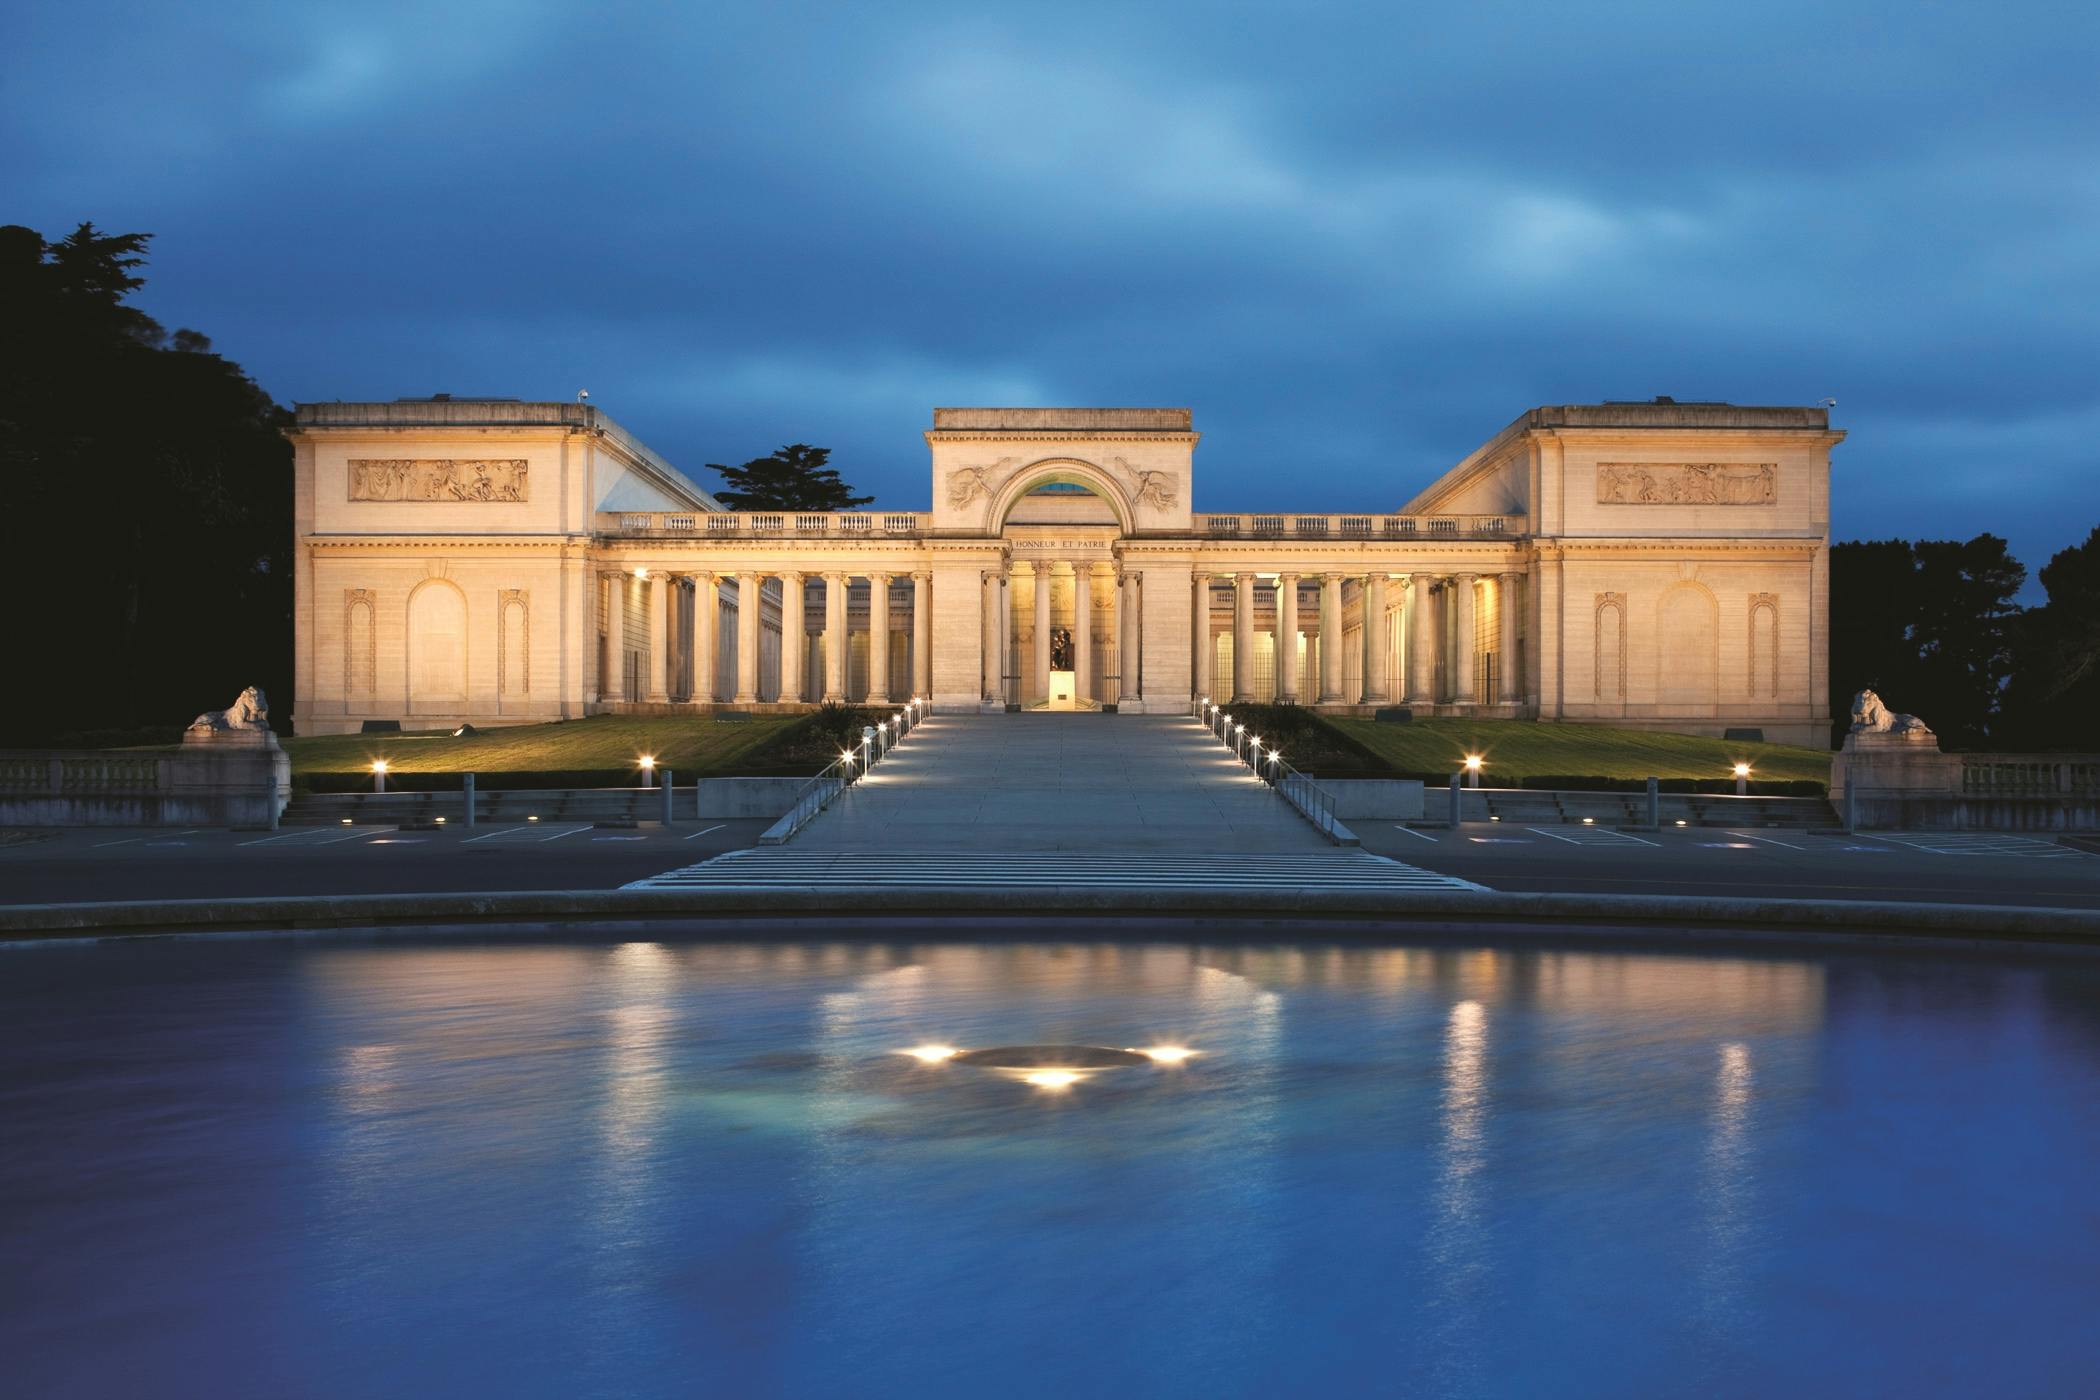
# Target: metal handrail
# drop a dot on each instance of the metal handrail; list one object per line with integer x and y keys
{"x": 844, "y": 771}
{"x": 1301, "y": 790}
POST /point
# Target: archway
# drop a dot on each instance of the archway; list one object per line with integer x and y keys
{"x": 1066, "y": 471}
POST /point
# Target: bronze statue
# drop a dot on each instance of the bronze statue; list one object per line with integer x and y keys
{"x": 1060, "y": 648}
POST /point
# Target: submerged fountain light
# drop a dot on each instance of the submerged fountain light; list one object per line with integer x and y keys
{"x": 932, "y": 1054}
{"x": 1051, "y": 1078}
{"x": 1166, "y": 1054}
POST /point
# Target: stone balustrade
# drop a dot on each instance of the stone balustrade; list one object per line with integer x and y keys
{"x": 1357, "y": 527}
{"x": 753, "y": 525}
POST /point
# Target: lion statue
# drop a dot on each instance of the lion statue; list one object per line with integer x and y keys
{"x": 1870, "y": 716}
{"x": 250, "y": 710}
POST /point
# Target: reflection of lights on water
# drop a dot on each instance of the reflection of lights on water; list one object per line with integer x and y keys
{"x": 1051, "y": 1078}
{"x": 932, "y": 1054}
{"x": 1166, "y": 1054}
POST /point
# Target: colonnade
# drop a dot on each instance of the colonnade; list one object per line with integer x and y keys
{"x": 1442, "y": 641}
{"x": 683, "y": 608}
{"x": 1123, "y": 659}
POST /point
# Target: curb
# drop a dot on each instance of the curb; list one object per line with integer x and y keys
{"x": 1373, "y": 912}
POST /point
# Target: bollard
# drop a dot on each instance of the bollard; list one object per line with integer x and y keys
{"x": 670, "y": 782}
{"x": 466, "y": 788}
{"x": 1454, "y": 801}
{"x": 1655, "y": 805}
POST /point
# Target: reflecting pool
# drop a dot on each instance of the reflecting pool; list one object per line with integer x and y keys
{"x": 334, "y": 1169}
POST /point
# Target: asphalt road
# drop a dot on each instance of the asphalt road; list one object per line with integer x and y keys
{"x": 1952, "y": 868}
{"x": 106, "y": 864}
{"x": 111, "y": 864}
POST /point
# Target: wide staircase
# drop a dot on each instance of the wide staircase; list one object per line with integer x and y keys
{"x": 1064, "y": 801}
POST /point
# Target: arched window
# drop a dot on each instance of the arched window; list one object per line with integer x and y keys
{"x": 1764, "y": 646}
{"x": 1610, "y": 652}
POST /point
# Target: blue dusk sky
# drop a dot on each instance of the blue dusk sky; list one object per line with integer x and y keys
{"x": 1356, "y": 239}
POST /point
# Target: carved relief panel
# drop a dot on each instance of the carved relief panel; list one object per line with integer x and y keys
{"x": 437, "y": 479}
{"x": 1687, "y": 484}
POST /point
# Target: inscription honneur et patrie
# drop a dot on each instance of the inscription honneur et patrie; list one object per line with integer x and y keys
{"x": 437, "y": 479}
{"x": 1687, "y": 484}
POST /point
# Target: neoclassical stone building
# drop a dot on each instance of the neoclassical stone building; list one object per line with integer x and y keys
{"x": 1658, "y": 565}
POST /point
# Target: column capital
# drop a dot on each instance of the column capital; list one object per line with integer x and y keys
{"x": 786, "y": 575}
{"x": 1466, "y": 578}
{"x": 922, "y": 575}
{"x": 1290, "y": 575}
{"x": 874, "y": 574}
{"x": 1510, "y": 574}
{"x": 1247, "y": 577}
{"x": 835, "y": 576}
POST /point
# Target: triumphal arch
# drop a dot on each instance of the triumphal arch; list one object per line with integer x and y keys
{"x": 489, "y": 561}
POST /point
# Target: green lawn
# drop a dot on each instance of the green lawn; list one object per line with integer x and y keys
{"x": 587, "y": 752}
{"x": 1519, "y": 749}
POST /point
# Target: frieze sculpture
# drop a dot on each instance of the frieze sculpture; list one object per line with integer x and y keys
{"x": 1687, "y": 484}
{"x": 966, "y": 484}
{"x": 437, "y": 479}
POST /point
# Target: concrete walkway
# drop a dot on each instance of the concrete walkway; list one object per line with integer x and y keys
{"x": 1060, "y": 782}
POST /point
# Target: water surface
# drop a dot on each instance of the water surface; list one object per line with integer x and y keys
{"x": 270, "y": 1169}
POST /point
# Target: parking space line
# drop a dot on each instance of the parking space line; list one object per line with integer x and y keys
{"x": 1629, "y": 836}
{"x": 498, "y": 835}
{"x": 1753, "y": 836}
{"x": 1416, "y": 834}
{"x": 125, "y": 842}
{"x": 282, "y": 836}
{"x": 716, "y": 827}
{"x": 1554, "y": 834}
{"x": 570, "y": 832}
{"x": 350, "y": 835}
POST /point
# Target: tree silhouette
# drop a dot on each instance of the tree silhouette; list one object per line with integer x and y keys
{"x": 145, "y": 503}
{"x": 793, "y": 478}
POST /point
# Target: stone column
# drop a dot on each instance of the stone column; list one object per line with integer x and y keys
{"x": 921, "y": 633}
{"x": 835, "y": 639}
{"x": 1506, "y": 605}
{"x": 706, "y": 607}
{"x": 749, "y": 586}
{"x": 794, "y": 637}
{"x": 656, "y": 631}
{"x": 1083, "y": 632}
{"x": 988, "y": 634}
{"x": 1128, "y": 629}
{"x": 878, "y": 639}
{"x": 1200, "y": 603}
{"x": 1330, "y": 639}
{"x": 1421, "y": 640}
{"x": 1377, "y": 632}
{"x": 1041, "y": 668}
{"x": 615, "y": 685}
{"x": 1003, "y": 627}
{"x": 1286, "y": 639}
{"x": 1463, "y": 644}
{"x": 1243, "y": 637}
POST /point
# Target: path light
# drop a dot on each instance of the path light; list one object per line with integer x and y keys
{"x": 1473, "y": 762}
{"x": 1742, "y": 780}
{"x": 1589, "y": 821}
{"x": 346, "y": 821}
{"x": 1680, "y": 821}
{"x": 648, "y": 762}
{"x": 532, "y": 819}
{"x": 379, "y": 775}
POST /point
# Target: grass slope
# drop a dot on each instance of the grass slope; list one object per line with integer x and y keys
{"x": 1519, "y": 749}
{"x": 597, "y": 751}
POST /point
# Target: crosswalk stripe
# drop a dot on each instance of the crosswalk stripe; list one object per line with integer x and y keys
{"x": 785, "y": 868}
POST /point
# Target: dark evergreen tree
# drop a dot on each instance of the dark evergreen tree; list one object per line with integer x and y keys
{"x": 1930, "y": 626}
{"x": 793, "y": 478}
{"x": 145, "y": 503}
{"x": 2055, "y": 693}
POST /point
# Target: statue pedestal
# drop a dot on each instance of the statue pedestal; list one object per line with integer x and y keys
{"x": 1063, "y": 691}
